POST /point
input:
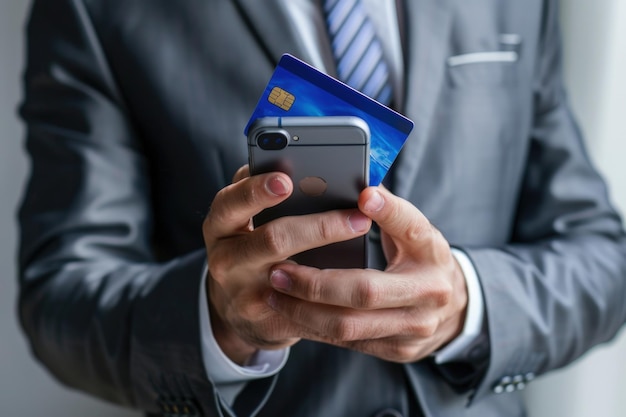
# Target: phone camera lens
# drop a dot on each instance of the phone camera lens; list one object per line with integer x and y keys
{"x": 272, "y": 141}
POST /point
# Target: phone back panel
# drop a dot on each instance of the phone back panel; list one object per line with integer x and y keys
{"x": 327, "y": 159}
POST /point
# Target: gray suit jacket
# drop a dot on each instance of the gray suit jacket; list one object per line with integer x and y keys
{"x": 135, "y": 113}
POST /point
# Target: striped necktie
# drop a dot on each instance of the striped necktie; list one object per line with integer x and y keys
{"x": 357, "y": 50}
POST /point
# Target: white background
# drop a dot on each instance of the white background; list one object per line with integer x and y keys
{"x": 596, "y": 75}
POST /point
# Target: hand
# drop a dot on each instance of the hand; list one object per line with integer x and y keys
{"x": 240, "y": 257}
{"x": 402, "y": 314}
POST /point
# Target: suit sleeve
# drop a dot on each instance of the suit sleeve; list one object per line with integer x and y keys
{"x": 101, "y": 313}
{"x": 558, "y": 288}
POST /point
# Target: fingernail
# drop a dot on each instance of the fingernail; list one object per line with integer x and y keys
{"x": 375, "y": 202}
{"x": 277, "y": 186}
{"x": 280, "y": 280}
{"x": 358, "y": 222}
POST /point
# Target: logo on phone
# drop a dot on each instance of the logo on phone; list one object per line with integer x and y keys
{"x": 313, "y": 186}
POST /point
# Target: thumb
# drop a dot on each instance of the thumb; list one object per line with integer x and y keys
{"x": 395, "y": 216}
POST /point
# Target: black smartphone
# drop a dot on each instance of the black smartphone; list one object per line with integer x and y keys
{"x": 327, "y": 158}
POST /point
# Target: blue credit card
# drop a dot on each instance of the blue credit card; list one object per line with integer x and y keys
{"x": 298, "y": 89}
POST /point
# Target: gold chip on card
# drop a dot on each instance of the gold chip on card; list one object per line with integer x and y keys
{"x": 281, "y": 98}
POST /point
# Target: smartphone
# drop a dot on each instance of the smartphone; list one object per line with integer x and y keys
{"x": 327, "y": 158}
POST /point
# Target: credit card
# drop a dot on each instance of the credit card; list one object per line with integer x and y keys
{"x": 298, "y": 89}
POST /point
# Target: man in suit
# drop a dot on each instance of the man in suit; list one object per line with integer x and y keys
{"x": 131, "y": 292}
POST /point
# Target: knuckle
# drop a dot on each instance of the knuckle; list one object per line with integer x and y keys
{"x": 441, "y": 295}
{"x": 418, "y": 232}
{"x": 218, "y": 213}
{"x": 326, "y": 229}
{"x": 241, "y": 173}
{"x": 444, "y": 296}
{"x": 315, "y": 290}
{"x": 218, "y": 264}
{"x": 424, "y": 329}
{"x": 273, "y": 241}
{"x": 221, "y": 194}
{"x": 366, "y": 295}
{"x": 403, "y": 352}
{"x": 247, "y": 315}
{"x": 208, "y": 225}
{"x": 414, "y": 233}
{"x": 342, "y": 329}
{"x": 251, "y": 312}
{"x": 296, "y": 311}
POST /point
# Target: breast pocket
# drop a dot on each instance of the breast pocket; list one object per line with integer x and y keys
{"x": 493, "y": 64}
{"x": 488, "y": 68}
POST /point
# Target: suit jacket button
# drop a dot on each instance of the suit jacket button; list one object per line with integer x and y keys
{"x": 504, "y": 385}
{"x": 190, "y": 409}
{"x": 498, "y": 389}
{"x": 166, "y": 407}
{"x": 389, "y": 412}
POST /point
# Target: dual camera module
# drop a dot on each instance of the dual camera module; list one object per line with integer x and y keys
{"x": 273, "y": 140}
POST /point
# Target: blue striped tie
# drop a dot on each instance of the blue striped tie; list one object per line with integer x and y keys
{"x": 357, "y": 49}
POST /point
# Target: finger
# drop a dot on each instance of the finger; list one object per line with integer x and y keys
{"x": 236, "y": 204}
{"x": 395, "y": 216}
{"x": 395, "y": 349}
{"x": 287, "y": 236}
{"x": 340, "y": 324}
{"x": 415, "y": 341}
{"x": 242, "y": 172}
{"x": 355, "y": 288}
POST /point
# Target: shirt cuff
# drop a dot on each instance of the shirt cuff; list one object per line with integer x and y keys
{"x": 473, "y": 316}
{"x": 226, "y": 374}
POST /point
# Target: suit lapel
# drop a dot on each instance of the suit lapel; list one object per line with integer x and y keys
{"x": 289, "y": 26}
{"x": 428, "y": 36}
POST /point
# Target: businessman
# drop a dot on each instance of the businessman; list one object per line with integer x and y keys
{"x": 496, "y": 255}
